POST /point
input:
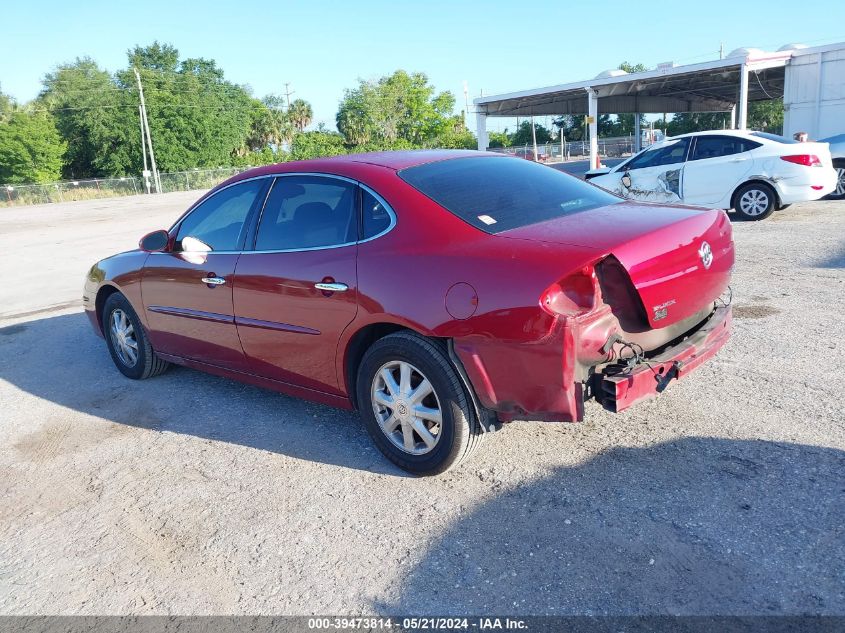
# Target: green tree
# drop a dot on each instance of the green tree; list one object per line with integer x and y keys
{"x": 95, "y": 117}
{"x": 498, "y": 139}
{"x": 6, "y": 105}
{"x": 684, "y": 122}
{"x": 766, "y": 116}
{"x": 572, "y": 125}
{"x": 523, "y": 135}
{"x": 394, "y": 111}
{"x": 197, "y": 118}
{"x": 632, "y": 68}
{"x": 317, "y": 144}
{"x": 300, "y": 114}
{"x": 31, "y": 149}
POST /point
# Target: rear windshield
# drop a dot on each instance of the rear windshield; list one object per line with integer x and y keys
{"x": 774, "y": 137}
{"x": 497, "y": 194}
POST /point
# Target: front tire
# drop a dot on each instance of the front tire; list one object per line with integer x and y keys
{"x": 127, "y": 341}
{"x": 414, "y": 406}
{"x": 755, "y": 201}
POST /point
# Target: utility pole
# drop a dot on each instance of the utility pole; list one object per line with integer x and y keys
{"x": 288, "y": 93}
{"x": 721, "y": 50}
{"x": 146, "y": 123}
{"x": 466, "y": 102}
{"x": 146, "y": 172}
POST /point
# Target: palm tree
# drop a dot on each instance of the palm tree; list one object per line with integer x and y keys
{"x": 300, "y": 114}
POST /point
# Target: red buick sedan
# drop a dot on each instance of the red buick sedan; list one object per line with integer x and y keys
{"x": 439, "y": 293}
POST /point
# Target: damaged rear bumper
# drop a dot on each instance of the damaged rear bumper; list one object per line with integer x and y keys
{"x": 617, "y": 392}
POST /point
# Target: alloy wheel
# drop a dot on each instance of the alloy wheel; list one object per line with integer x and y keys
{"x": 407, "y": 408}
{"x": 754, "y": 202}
{"x": 840, "y": 181}
{"x": 123, "y": 337}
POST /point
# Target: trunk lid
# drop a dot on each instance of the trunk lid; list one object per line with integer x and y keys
{"x": 820, "y": 149}
{"x": 663, "y": 249}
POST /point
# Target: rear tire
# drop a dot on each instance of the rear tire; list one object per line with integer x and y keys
{"x": 403, "y": 375}
{"x": 755, "y": 201}
{"x": 127, "y": 341}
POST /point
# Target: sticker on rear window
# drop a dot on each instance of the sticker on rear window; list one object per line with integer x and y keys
{"x": 487, "y": 219}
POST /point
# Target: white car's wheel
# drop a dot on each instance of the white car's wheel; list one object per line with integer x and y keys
{"x": 839, "y": 192}
{"x": 755, "y": 201}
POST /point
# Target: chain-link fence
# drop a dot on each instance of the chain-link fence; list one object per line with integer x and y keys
{"x": 608, "y": 148}
{"x": 69, "y": 190}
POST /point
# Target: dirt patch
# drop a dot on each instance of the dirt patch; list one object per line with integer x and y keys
{"x": 57, "y": 437}
{"x": 754, "y": 311}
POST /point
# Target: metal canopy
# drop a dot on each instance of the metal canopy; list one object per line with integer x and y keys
{"x": 706, "y": 87}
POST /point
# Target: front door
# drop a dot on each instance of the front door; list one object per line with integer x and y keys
{"x": 296, "y": 292}
{"x": 656, "y": 174}
{"x": 187, "y": 292}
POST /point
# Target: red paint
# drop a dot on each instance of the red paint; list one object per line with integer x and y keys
{"x": 433, "y": 274}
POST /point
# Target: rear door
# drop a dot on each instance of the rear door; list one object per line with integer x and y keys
{"x": 296, "y": 290}
{"x": 187, "y": 293}
{"x": 655, "y": 175}
{"x": 716, "y": 166}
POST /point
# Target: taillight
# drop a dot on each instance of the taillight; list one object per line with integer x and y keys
{"x": 575, "y": 294}
{"x": 808, "y": 160}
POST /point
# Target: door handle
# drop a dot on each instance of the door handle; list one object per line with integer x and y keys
{"x": 331, "y": 287}
{"x": 213, "y": 281}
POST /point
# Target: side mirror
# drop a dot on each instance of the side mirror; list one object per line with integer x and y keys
{"x": 598, "y": 171}
{"x": 155, "y": 242}
{"x": 626, "y": 180}
{"x": 194, "y": 250}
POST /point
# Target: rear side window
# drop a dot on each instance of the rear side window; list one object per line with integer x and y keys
{"x": 219, "y": 221}
{"x": 375, "y": 218}
{"x": 496, "y": 194}
{"x": 307, "y": 212}
{"x": 669, "y": 154}
{"x": 716, "y": 146}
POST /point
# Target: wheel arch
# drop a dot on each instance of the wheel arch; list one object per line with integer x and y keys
{"x": 359, "y": 343}
{"x": 762, "y": 180}
{"x": 103, "y": 293}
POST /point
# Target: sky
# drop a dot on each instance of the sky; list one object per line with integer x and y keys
{"x": 321, "y": 47}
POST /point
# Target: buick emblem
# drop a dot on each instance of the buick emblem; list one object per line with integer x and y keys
{"x": 705, "y": 254}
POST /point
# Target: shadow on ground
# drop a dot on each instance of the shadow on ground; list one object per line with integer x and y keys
{"x": 835, "y": 260}
{"x": 693, "y": 526}
{"x": 60, "y": 359}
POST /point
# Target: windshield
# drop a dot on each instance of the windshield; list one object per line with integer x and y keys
{"x": 497, "y": 194}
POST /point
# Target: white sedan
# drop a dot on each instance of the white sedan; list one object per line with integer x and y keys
{"x": 754, "y": 173}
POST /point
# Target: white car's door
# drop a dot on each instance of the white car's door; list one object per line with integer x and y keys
{"x": 717, "y": 164}
{"x": 652, "y": 176}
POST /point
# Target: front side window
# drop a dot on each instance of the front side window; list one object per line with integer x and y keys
{"x": 219, "y": 221}
{"x": 669, "y": 154}
{"x": 717, "y": 146}
{"x": 307, "y": 212}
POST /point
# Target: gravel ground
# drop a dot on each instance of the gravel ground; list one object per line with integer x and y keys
{"x": 191, "y": 494}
